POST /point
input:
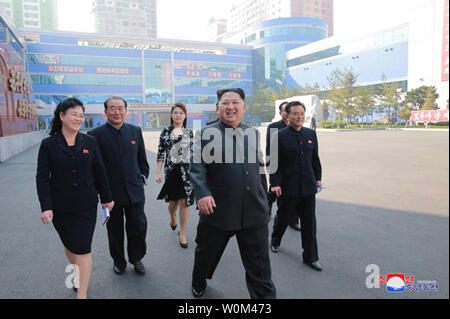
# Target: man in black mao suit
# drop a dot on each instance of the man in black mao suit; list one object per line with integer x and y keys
{"x": 123, "y": 150}
{"x": 293, "y": 222}
{"x": 231, "y": 196}
{"x": 296, "y": 181}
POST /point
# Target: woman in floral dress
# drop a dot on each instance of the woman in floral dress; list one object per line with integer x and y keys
{"x": 175, "y": 145}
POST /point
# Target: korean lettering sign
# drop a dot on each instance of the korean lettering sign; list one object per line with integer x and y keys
{"x": 429, "y": 116}
{"x": 65, "y": 69}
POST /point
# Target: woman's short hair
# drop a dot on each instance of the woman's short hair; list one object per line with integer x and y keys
{"x": 62, "y": 107}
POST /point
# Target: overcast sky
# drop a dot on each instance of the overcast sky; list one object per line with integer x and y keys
{"x": 187, "y": 19}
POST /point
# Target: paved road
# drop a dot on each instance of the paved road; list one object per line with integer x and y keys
{"x": 385, "y": 202}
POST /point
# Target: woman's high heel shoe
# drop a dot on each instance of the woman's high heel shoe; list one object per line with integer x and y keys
{"x": 173, "y": 227}
{"x": 74, "y": 286}
{"x": 183, "y": 245}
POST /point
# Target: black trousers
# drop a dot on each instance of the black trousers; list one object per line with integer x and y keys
{"x": 136, "y": 230}
{"x": 305, "y": 208}
{"x": 272, "y": 198}
{"x": 254, "y": 249}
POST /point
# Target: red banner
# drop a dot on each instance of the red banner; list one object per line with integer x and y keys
{"x": 112, "y": 70}
{"x": 445, "y": 40}
{"x": 65, "y": 69}
{"x": 193, "y": 74}
{"x": 429, "y": 116}
{"x": 233, "y": 75}
{"x": 214, "y": 74}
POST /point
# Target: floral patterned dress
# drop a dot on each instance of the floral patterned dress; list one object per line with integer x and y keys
{"x": 174, "y": 150}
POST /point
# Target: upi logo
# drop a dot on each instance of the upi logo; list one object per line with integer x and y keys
{"x": 73, "y": 278}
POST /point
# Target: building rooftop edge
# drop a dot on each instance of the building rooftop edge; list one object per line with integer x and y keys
{"x": 130, "y": 38}
{"x": 339, "y": 39}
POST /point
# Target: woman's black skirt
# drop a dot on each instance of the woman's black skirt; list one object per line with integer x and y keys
{"x": 173, "y": 188}
{"x": 76, "y": 229}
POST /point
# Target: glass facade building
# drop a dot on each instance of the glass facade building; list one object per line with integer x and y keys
{"x": 272, "y": 39}
{"x": 149, "y": 74}
{"x": 379, "y": 55}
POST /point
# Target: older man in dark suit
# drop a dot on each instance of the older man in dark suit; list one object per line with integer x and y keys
{"x": 296, "y": 182}
{"x": 123, "y": 151}
{"x": 275, "y": 126}
{"x": 231, "y": 196}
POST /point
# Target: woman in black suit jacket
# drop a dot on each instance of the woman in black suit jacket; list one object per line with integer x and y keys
{"x": 70, "y": 175}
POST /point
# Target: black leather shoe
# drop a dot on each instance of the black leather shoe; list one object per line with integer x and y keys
{"x": 173, "y": 227}
{"x": 315, "y": 265}
{"x": 197, "y": 293}
{"x": 118, "y": 270}
{"x": 274, "y": 248}
{"x": 296, "y": 227}
{"x": 183, "y": 245}
{"x": 139, "y": 267}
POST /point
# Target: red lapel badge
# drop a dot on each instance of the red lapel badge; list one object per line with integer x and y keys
{"x": 133, "y": 142}
{"x": 309, "y": 142}
{"x": 85, "y": 151}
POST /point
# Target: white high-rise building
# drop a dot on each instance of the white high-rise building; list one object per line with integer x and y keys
{"x": 41, "y": 14}
{"x": 245, "y": 13}
{"x": 126, "y": 17}
{"x": 216, "y": 28}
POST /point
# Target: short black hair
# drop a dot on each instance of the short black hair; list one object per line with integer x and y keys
{"x": 281, "y": 105}
{"x": 105, "y": 104}
{"x": 239, "y": 91}
{"x": 294, "y": 103}
{"x": 62, "y": 107}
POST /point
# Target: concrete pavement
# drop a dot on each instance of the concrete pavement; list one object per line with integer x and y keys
{"x": 385, "y": 202}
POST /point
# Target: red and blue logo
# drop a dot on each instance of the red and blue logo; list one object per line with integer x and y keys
{"x": 395, "y": 282}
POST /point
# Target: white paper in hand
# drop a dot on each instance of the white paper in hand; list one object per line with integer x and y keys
{"x": 105, "y": 214}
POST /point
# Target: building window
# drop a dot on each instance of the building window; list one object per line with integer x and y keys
{"x": 31, "y": 15}
{"x": 27, "y": 7}
{"x": 31, "y": 23}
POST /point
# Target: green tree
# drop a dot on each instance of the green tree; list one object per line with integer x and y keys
{"x": 430, "y": 100}
{"x": 415, "y": 98}
{"x": 405, "y": 113}
{"x": 310, "y": 90}
{"x": 287, "y": 92}
{"x": 365, "y": 102}
{"x": 341, "y": 95}
{"x": 261, "y": 104}
{"x": 390, "y": 101}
